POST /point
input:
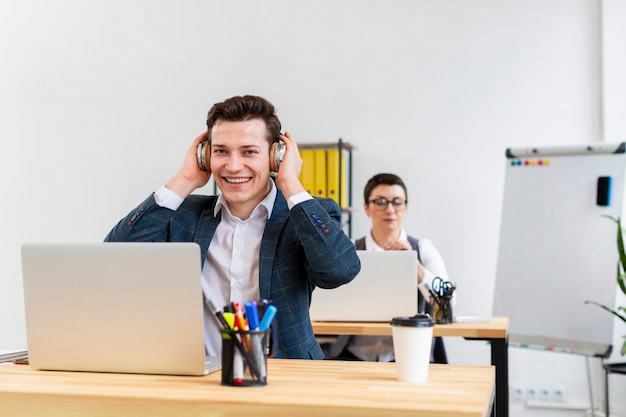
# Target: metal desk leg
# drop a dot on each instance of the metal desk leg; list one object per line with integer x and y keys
{"x": 606, "y": 392}
{"x": 500, "y": 358}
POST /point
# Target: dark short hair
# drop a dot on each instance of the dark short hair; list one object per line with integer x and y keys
{"x": 243, "y": 108}
{"x": 382, "y": 179}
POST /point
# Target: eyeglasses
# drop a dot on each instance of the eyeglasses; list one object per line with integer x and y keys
{"x": 382, "y": 203}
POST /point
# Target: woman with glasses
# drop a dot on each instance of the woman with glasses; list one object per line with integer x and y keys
{"x": 385, "y": 203}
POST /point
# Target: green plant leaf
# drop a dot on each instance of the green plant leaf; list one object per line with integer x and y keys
{"x": 622, "y": 255}
{"x": 621, "y": 276}
{"x": 621, "y": 266}
{"x": 615, "y": 313}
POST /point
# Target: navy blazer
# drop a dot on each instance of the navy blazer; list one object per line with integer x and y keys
{"x": 301, "y": 249}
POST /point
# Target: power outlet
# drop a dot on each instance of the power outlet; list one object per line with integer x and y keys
{"x": 531, "y": 393}
{"x": 544, "y": 393}
{"x": 539, "y": 392}
{"x": 559, "y": 394}
{"x": 517, "y": 393}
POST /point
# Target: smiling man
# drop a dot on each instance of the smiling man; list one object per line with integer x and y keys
{"x": 261, "y": 237}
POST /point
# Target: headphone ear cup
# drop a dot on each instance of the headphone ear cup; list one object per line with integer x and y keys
{"x": 206, "y": 156}
{"x": 273, "y": 164}
{"x": 203, "y": 157}
{"x": 277, "y": 150}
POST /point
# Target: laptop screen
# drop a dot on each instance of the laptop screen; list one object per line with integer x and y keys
{"x": 114, "y": 307}
{"x": 386, "y": 287}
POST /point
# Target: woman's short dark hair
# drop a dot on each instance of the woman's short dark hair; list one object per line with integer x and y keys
{"x": 382, "y": 179}
{"x": 243, "y": 108}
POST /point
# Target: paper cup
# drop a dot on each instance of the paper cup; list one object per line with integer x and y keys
{"x": 412, "y": 341}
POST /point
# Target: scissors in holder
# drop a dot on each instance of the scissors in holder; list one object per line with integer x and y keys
{"x": 442, "y": 287}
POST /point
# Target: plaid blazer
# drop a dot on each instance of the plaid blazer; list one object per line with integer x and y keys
{"x": 301, "y": 249}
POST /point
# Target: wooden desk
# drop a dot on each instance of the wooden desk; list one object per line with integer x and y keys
{"x": 495, "y": 331}
{"x": 295, "y": 387}
{"x": 497, "y": 328}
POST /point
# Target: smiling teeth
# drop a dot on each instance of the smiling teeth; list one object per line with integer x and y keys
{"x": 237, "y": 180}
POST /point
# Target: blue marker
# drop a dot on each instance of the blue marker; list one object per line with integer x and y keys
{"x": 256, "y": 338}
{"x": 270, "y": 312}
{"x": 252, "y": 314}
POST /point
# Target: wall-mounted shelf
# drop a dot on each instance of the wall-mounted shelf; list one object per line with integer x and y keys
{"x": 327, "y": 172}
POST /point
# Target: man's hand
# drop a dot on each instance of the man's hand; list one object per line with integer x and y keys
{"x": 288, "y": 180}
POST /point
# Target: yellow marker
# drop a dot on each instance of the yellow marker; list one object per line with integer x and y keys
{"x": 230, "y": 319}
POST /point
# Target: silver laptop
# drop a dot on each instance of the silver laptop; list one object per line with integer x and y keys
{"x": 385, "y": 288}
{"x": 115, "y": 307}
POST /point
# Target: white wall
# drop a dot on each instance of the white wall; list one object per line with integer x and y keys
{"x": 100, "y": 100}
{"x": 614, "y": 127}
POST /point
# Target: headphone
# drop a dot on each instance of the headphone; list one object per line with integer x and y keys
{"x": 203, "y": 155}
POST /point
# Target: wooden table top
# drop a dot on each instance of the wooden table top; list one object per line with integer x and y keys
{"x": 495, "y": 328}
{"x": 299, "y": 387}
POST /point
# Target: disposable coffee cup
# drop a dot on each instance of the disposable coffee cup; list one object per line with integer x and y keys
{"x": 412, "y": 342}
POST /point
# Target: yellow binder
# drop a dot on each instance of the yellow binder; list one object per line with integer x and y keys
{"x": 307, "y": 175}
{"x": 320, "y": 173}
{"x": 337, "y": 177}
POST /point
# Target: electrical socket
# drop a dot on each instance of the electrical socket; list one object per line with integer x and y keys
{"x": 531, "y": 393}
{"x": 544, "y": 393}
{"x": 517, "y": 392}
{"x": 559, "y": 394}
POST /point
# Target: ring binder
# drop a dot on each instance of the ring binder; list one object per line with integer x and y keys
{"x": 13, "y": 355}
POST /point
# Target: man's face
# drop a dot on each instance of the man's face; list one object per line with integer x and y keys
{"x": 240, "y": 163}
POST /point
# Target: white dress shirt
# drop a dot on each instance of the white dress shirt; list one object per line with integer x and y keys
{"x": 230, "y": 272}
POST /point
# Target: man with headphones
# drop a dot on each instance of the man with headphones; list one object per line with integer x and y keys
{"x": 260, "y": 238}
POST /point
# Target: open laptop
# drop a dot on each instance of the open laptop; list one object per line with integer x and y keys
{"x": 386, "y": 287}
{"x": 115, "y": 307}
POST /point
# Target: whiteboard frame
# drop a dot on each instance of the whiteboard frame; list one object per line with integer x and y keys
{"x": 553, "y": 239}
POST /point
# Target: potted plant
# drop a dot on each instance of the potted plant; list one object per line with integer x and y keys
{"x": 621, "y": 277}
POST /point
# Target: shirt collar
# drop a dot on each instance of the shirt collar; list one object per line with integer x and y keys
{"x": 267, "y": 202}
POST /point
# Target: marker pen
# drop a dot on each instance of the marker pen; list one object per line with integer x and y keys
{"x": 224, "y": 324}
{"x": 238, "y": 363}
{"x": 252, "y": 314}
{"x": 263, "y": 306}
{"x": 256, "y": 337}
{"x": 270, "y": 313}
{"x": 270, "y": 343}
{"x": 241, "y": 324}
{"x": 238, "y": 371}
{"x": 228, "y": 350}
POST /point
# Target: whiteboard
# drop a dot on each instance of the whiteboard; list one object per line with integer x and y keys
{"x": 557, "y": 250}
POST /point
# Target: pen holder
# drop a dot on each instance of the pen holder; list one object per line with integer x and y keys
{"x": 440, "y": 309}
{"x": 243, "y": 357}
